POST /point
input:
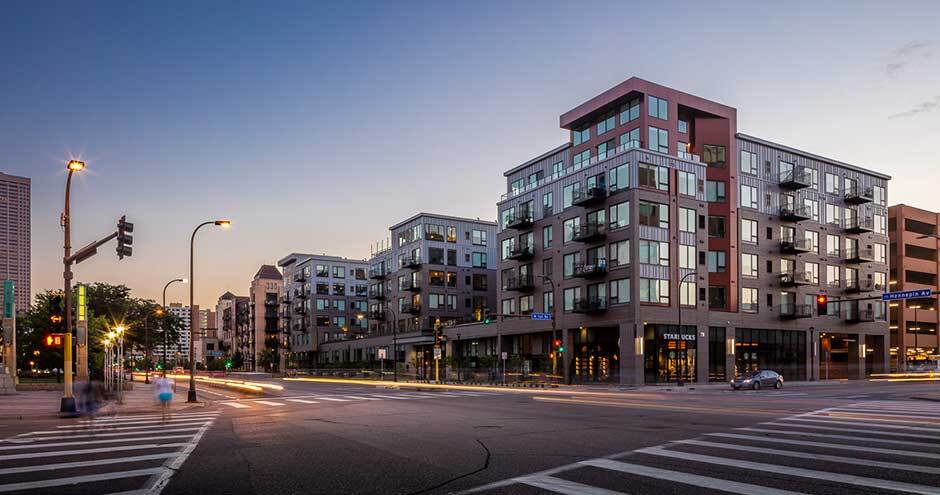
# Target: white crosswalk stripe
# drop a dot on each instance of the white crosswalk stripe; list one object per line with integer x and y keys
{"x": 322, "y": 399}
{"x": 111, "y": 454}
{"x": 871, "y": 447}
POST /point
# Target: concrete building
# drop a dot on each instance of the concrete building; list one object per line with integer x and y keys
{"x": 233, "y": 326}
{"x": 209, "y": 342}
{"x": 179, "y": 352}
{"x": 657, "y": 210}
{"x": 321, "y": 302}
{"x": 263, "y": 335}
{"x": 15, "y": 236}
{"x": 226, "y": 333}
{"x": 914, "y": 265}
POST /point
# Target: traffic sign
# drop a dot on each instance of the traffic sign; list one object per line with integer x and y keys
{"x": 54, "y": 339}
{"x": 437, "y": 353}
{"x": 541, "y": 316}
{"x": 381, "y": 353}
{"x": 906, "y": 294}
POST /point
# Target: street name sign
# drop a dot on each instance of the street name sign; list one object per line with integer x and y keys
{"x": 541, "y": 316}
{"x": 906, "y": 294}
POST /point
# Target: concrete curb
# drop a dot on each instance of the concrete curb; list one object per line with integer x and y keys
{"x": 931, "y": 399}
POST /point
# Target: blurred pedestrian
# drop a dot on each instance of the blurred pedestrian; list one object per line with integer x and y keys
{"x": 164, "y": 392}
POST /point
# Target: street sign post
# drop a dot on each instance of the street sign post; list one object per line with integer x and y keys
{"x": 906, "y": 294}
{"x": 542, "y": 316}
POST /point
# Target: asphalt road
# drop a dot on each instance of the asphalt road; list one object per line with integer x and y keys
{"x": 328, "y": 438}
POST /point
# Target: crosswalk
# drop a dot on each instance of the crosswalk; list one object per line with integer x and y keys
{"x": 133, "y": 453}
{"x": 870, "y": 447}
{"x": 322, "y": 399}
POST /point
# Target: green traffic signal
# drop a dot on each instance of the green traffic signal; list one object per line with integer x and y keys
{"x": 487, "y": 321}
{"x": 228, "y": 364}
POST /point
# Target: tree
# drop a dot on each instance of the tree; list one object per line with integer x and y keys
{"x": 268, "y": 359}
{"x": 238, "y": 360}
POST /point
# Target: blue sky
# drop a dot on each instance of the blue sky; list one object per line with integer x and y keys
{"x": 316, "y": 126}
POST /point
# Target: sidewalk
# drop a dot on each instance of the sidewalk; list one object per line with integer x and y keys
{"x": 45, "y": 404}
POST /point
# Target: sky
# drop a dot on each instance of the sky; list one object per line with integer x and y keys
{"x": 315, "y": 126}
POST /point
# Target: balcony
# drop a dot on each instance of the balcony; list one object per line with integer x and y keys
{"x": 590, "y": 232}
{"x": 410, "y": 286}
{"x": 300, "y": 294}
{"x": 598, "y": 269}
{"x": 590, "y": 196}
{"x": 590, "y": 306}
{"x": 796, "y": 179}
{"x": 377, "y": 274}
{"x": 411, "y": 262}
{"x": 411, "y": 309}
{"x": 378, "y": 295}
{"x": 794, "y": 279}
{"x": 859, "y": 225}
{"x": 859, "y": 195}
{"x": 299, "y": 309}
{"x": 794, "y": 311}
{"x": 859, "y": 316}
{"x": 859, "y": 255}
{"x": 857, "y": 286}
{"x": 300, "y": 277}
{"x": 796, "y": 246}
{"x": 521, "y": 252}
{"x": 520, "y": 220}
{"x": 521, "y": 284}
{"x": 376, "y": 315}
{"x": 795, "y": 213}
{"x": 285, "y": 299}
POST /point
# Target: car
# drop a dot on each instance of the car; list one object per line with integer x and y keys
{"x": 757, "y": 379}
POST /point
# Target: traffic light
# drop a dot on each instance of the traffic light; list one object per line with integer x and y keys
{"x": 559, "y": 348}
{"x": 822, "y": 305}
{"x": 488, "y": 319}
{"x": 124, "y": 239}
{"x": 54, "y": 340}
{"x": 56, "y": 314}
{"x": 477, "y": 314}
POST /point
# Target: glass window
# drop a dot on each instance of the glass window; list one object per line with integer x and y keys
{"x": 548, "y": 302}
{"x": 606, "y": 124}
{"x": 581, "y": 159}
{"x": 548, "y": 203}
{"x": 749, "y": 300}
{"x": 571, "y": 295}
{"x": 546, "y": 237}
{"x": 716, "y": 226}
{"x": 749, "y": 265}
{"x": 881, "y": 253}
{"x": 478, "y": 260}
{"x": 451, "y": 234}
{"x": 686, "y": 256}
{"x": 812, "y": 271}
{"x": 620, "y": 215}
{"x": 880, "y": 196}
{"x": 570, "y": 261}
{"x": 619, "y": 177}
{"x": 658, "y": 108}
{"x": 436, "y": 278}
{"x": 714, "y": 191}
{"x": 479, "y": 238}
{"x": 630, "y": 111}
{"x": 833, "y": 275}
{"x": 581, "y": 136}
{"x": 833, "y": 214}
{"x": 812, "y": 238}
{"x": 812, "y": 206}
{"x": 832, "y": 183}
{"x": 832, "y": 245}
{"x": 748, "y": 196}
{"x": 748, "y": 162}
{"x": 749, "y": 230}
{"x": 654, "y": 291}
{"x": 686, "y": 220}
{"x": 630, "y": 140}
{"x": 658, "y": 139}
{"x": 716, "y": 262}
{"x": 654, "y": 252}
{"x": 620, "y": 291}
{"x": 568, "y": 193}
{"x": 606, "y": 149}
{"x": 620, "y": 253}
{"x": 654, "y": 214}
{"x": 653, "y": 176}
{"x": 881, "y": 224}
{"x": 570, "y": 226}
{"x": 683, "y": 124}
{"x": 687, "y": 293}
{"x": 687, "y": 183}
{"x": 713, "y": 155}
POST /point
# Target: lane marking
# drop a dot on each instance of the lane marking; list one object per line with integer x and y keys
{"x": 391, "y": 397}
{"x": 685, "y": 478}
{"x": 867, "y": 424}
{"x": 126, "y": 419}
{"x": 159, "y": 481}
{"x": 87, "y": 442}
{"x": 334, "y": 399}
{"x": 840, "y": 437}
{"x": 269, "y": 403}
{"x": 149, "y": 422}
{"x": 78, "y": 464}
{"x": 761, "y": 467}
{"x": 236, "y": 405}
{"x": 302, "y": 401}
{"x": 564, "y": 487}
{"x": 74, "y": 480}
{"x": 852, "y": 430}
{"x": 35, "y": 455}
{"x": 360, "y": 397}
{"x": 28, "y": 439}
{"x": 123, "y": 428}
{"x": 891, "y": 413}
{"x": 834, "y": 446}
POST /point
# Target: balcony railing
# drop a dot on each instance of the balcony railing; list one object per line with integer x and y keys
{"x": 411, "y": 309}
{"x": 859, "y": 315}
{"x": 375, "y": 274}
{"x": 796, "y": 246}
{"x": 590, "y": 305}
{"x": 376, "y": 315}
{"x": 859, "y": 255}
{"x": 300, "y": 276}
{"x": 798, "y": 178}
{"x": 300, "y": 294}
{"x": 855, "y": 285}
{"x": 410, "y": 286}
{"x": 859, "y": 195}
{"x": 411, "y": 262}
{"x": 792, "y": 279}
{"x": 299, "y": 309}
{"x": 590, "y": 270}
{"x": 521, "y": 252}
{"x": 520, "y": 284}
{"x": 589, "y": 196}
{"x": 859, "y": 225}
{"x": 323, "y": 273}
{"x": 377, "y": 294}
{"x": 794, "y": 311}
{"x": 520, "y": 220}
{"x": 590, "y": 232}
{"x": 795, "y": 213}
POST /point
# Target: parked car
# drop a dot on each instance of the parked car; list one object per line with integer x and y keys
{"x": 757, "y": 379}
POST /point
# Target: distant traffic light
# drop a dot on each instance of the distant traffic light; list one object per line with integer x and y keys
{"x": 56, "y": 314}
{"x": 488, "y": 319}
{"x": 124, "y": 239}
{"x": 822, "y": 305}
{"x": 559, "y": 348}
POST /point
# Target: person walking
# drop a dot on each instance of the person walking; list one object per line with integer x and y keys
{"x": 164, "y": 392}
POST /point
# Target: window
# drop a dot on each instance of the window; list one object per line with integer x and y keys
{"x": 832, "y": 245}
{"x": 654, "y": 252}
{"x": 436, "y": 278}
{"x": 881, "y": 224}
{"x": 436, "y": 232}
{"x": 851, "y": 277}
{"x": 322, "y": 271}
{"x": 658, "y": 139}
{"x": 570, "y": 295}
{"x": 686, "y": 220}
{"x": 749, "y": 231}
{"x": 687, "y": 293}
{"x": 832, "y": 183}
{"x": 630, "y": 111}
{"x": 620, "y": 215}
{"x": 833, "y": 214}
{"x": 619, "y": 253}
{"x": 714, "y": 191}
{"x": 749, "y": 265}
{"x": 716, "y": 297}
{"x": 881, "y": 280}
{"x": 557, "y": 168}
{"x": 581, "y": 136}
{"x": 654, "y": 214}
{"x": 506, "y": 247}
{"x": 436, "y": 301}
{"x": 658, "y": 107}
{"x": 480, "y": 282}
{"x": 547, "y": 268}
{"x": 606, "y": 149}
{"x": 570, "y": 261}
{"x": 716, "y": 226}
{"x": 546, "y": 237}
{"x": 620, "y": 291}
{"x": 812, "y": 272}
{"x": 451, "y": 257}
{"x": 812, "y": 238}
{"x": 526, "y": 302}
{"x": 881, "y": 253}
{"x": 568, "y": 193}
{"x": 630, "y": 140}
{"x": 812, "y": 206}
{"x": 653, "y": 176}
{"x": 436, "y": 256}
{"x": 683, "y": 124}
{"x": 451, "y": 279}
{"x": 686, "y": 256}
{"x": 569, "y": 227}
{"x": 323, "y": 304}
{"x": 832, "y": 275}
{"x": 749, "y": 301}
{"x": 687, "y": 183}
{"x": 607, "y": 124}
{"x": 748, "y": 163}
{"x": 478, "y": 237}
{"x": 619, "y": 178}
{"x": 713, "y": 155}
{"x": 717, "y": 262}
{"x": 880, "y": 196}
{"x": 748, "y": 196}
{"x": 339, "y": 289}
{"x": 516, "y": 186}
{"x": 451, "y": 301}
{"x": 509, "y": 306}
{"x": 478, "y": 260}
{"x": 452, "y": 232}
{"x": 581, "y": 159}
{"x": 548, "y": 203}
{"x": 654, "y": 291}
{"x": 548, "y": 302}
{"x": 339, "y": 304}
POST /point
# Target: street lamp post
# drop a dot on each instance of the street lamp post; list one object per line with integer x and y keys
{"x": 191, "y": 396}
{"x": 68, "y": 401}
{"x": 394, "y": 342}
{"x": 554, "y": 325}
{"x": 680, "y": 371}
{"x": 163, "y": 330}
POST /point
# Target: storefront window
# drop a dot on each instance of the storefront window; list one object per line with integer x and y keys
{"x": 782, "y": 351}
{"x": 596, "y": 355}
{"x": 669, "y": 354}
{"x": 716, "y": 354}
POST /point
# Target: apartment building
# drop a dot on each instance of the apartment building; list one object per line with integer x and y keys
{"x": 15, "y": 236}
{"x": 324, "y": 300}
{"x": 914, "y": 265}
{"x": 261, "y": 344}
{"x": 178, "y": 352}
{"x": 233, "y": 322}
{"x": 671, "y": 247}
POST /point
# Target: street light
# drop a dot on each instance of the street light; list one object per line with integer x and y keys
{"x": 554, "y": 327}
{"x": 681, "y": 363}
{"x": 162, "y": 311}
{"x": 68, "y": 401}
{"x": 119, "y": 333}
{"x": 191, "y": 396}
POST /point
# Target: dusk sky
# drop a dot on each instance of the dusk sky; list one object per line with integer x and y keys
{"x": 315, "y": 126}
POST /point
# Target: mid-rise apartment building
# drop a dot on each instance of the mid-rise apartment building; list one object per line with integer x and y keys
{"x": 233, "y": 320}
{"x": 656, "y": 212}
{"x": 15, "y": 236}
{"x": 324, "y": 299}
{"x": 914, "y": 265}
{"x": 263, "y": 336}
{"x": 178, "y": 352}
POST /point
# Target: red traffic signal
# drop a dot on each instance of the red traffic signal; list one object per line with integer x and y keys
{"x": 54, "y": 340}
{"x": 822, "y": 305}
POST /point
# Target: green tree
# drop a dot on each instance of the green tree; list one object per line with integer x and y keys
{"x": 268, "y": 359}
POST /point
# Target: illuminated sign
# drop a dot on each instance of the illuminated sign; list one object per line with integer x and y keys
{"x": 55, "y": 339}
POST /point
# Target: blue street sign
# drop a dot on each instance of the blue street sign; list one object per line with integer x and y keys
{"x": 906, "y": 294}
{"x": 541, "y": 316}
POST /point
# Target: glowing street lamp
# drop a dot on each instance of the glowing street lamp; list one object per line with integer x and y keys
{"x": 225, "y": 224}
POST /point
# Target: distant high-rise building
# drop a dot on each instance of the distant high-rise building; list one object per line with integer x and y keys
{"x": 15, "y": 236}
